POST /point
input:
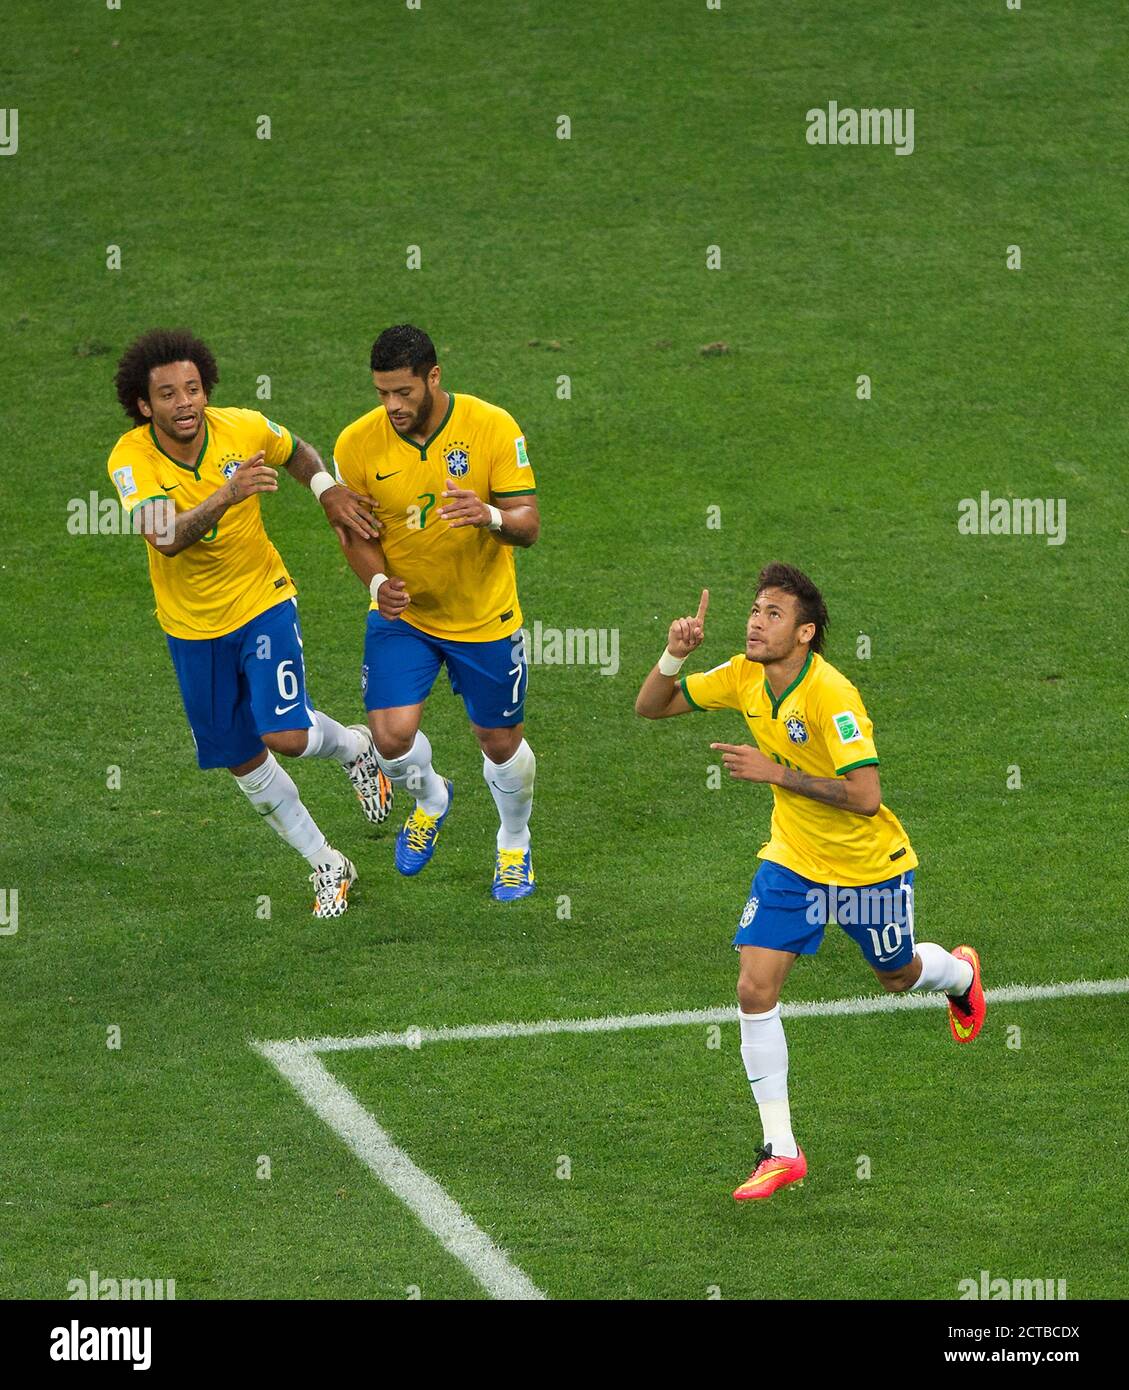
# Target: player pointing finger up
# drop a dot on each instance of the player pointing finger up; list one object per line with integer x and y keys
{"x": 836, "y": 853}
{"x": 687, "y": 633}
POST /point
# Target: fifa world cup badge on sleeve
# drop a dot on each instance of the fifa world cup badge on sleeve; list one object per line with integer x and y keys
{"x": 123, "y": 481}
{"x": 848, "y": 727}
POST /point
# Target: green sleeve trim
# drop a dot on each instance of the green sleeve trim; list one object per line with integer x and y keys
{"x": 293, "y": 451}
{"x": 862, "y": 762}
{"x": 517, "y": 492}
{"x": 689, "y": 698}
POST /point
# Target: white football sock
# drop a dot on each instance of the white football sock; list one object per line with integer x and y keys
{"x": 271, "y": 790}
{"x": 511, "y": 785}
{"x": 764, "y": 1051}
{"x": 328, "y": 739}
{"x": 940, "y": 969}
{"x": 414, "y": 773}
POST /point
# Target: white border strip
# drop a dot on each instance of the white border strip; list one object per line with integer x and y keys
{"x": 819, "y": 1008}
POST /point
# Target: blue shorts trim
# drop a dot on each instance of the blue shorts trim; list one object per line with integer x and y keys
{"x": 788, "y": 912}
{"x": 401, "y": 664}
{"x": 249, "y": 682}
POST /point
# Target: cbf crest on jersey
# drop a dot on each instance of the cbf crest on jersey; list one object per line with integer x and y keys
{"x": 797, "y": 730}
{"x": 229, "y": 467}
{"x": 457, "y": 458}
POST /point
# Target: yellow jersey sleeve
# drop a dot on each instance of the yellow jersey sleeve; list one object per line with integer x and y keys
{"x": 348, "y": 466}
{"x": 511, "y": 473}
{"x": 134, "y": 477}
{"x": 716, "y": 689}
{"x": 276, "y": 441}
{"x": 846, "y": 728}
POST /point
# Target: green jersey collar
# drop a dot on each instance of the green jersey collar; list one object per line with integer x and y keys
{"x": 188, "y": 467}
{"x": 768, "y": 688}
{"x": 423, "y": 448}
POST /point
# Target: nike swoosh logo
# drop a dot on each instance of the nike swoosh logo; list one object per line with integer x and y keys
{"x": 750, "y": 715}
{"x": 168, "y": 487}
{"x": 962, "y": 1031}
{"x": 380, "y": 477}
{"x": 285, "y": 709}
{"x": 764, "y": 1177}
{"x": 504, "y": 791}
{"x": 506, "y": 712}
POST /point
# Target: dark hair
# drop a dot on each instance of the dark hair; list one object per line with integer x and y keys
{"x": 810, "y": 600}
{"x": 403, "y": 346}
{"x": 158, "y": 348}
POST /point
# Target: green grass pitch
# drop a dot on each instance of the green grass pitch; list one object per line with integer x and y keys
{"x": 991, "y": 658}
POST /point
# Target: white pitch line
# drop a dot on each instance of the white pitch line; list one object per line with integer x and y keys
{"x": 819, "y": 1008}
{"x": 440, "y": 1213}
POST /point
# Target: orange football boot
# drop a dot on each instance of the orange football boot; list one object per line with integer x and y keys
{"x": 771, "y": 1173}
{"x": 966, "y": 1012}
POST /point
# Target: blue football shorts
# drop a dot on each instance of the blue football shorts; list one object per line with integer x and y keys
{"x": 401, "y": 664}
{"x": 250, "y": 682}
{"x": 788, "y": 912}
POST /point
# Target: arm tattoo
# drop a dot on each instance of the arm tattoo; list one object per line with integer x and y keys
{"x": 198, "y": 523}
{"x": 828, "y": 789}
{"x": 305, "y": 463}
{"x": 187, "y": 527}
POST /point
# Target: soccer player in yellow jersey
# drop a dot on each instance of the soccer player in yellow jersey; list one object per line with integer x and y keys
{"x": 453, "y": 494}
{"x": 191, "y": 475}
{"x": 835, "y": 853}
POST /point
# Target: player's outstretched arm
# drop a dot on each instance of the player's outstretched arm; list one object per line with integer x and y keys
{"x": 659, "y": 696}
{"x": 169, "y": 531}
{"x": 345, "y": 509}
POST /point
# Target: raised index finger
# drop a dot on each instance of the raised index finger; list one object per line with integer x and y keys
{"x": 703, "y": 604}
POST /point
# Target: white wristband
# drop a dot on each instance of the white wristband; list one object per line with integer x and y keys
{"x": 374, "y": 584}
{"x": 670, "y": 665}
{"x": 495, "y": 517}
{"x": 322, "y": 482}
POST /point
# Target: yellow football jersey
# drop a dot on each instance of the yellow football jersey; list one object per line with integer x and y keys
{"x": 233, "y": 573}
{"x": 818, "y": 726}
{"x": 462, "y": 580}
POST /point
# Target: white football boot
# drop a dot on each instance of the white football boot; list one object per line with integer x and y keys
{"x": 331, "y": 887}
{"x": 374, "y": 790}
